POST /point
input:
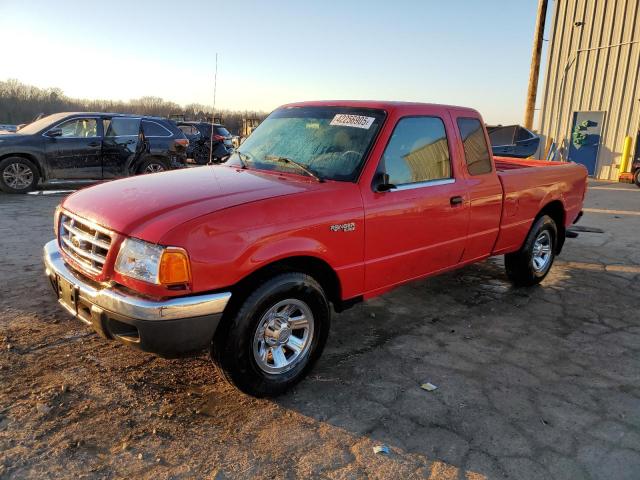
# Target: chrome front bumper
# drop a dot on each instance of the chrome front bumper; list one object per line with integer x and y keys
{"x": 168, "y": 327}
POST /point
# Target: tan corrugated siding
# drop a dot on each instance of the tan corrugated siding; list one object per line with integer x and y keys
{"x": 430, "y": 161}
{"x": 600, "y": 80}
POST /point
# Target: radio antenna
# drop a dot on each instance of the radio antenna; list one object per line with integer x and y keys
{"x": 213, "y": 114}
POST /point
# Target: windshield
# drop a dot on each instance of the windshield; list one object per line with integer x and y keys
{"x": 331, "y": 142}
{"x": 44, "y": 122}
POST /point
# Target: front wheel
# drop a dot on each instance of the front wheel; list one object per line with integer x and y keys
{"x": 18, "y": 175}
{"x": 529, "y": 265}
{"x": 636, "y": 177}
{"x": 275, "y": 335}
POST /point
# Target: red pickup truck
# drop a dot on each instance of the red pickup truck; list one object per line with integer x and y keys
{"x": 326, "y": 203}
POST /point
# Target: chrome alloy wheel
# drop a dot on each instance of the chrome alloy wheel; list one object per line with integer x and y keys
{"x": 154, "y": 168}
{"x": 17, "y": 176}
{"x": 283, "y": 337}
{"x": 541, "y": 257}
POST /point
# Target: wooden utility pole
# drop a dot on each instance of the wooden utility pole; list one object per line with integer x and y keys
{"x": 535, "y": 65}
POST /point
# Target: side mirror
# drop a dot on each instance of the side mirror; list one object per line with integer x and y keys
{"x": 54, "y": 132}
{"x": 383, "y": 184}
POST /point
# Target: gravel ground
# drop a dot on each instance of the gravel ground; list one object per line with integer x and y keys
{"x": 533, "y": 383}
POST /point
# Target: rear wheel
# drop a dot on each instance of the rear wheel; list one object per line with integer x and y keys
{"x": 18, "y": 175}
{"x": 152, "y": 165}
{"x": 532, "y": 262}
{"x": 201, "y": 154}
{"x": 636, "y": 177}
{"x": 275, "y": 336}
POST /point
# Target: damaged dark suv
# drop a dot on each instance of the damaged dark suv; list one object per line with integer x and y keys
{"x": 87, "y": 147}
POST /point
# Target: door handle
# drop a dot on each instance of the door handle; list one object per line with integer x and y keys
{"x": 94, "y": 144}
{"x": 457, "y": 200}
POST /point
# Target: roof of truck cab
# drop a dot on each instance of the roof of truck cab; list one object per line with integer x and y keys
{"x": 386, "y": 105}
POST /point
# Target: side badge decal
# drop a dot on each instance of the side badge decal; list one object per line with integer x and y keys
{"x": 345, "y": 227}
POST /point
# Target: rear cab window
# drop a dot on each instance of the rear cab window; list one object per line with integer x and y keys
{"x": 476, "y": 151}
{"x": 417, "y": 152}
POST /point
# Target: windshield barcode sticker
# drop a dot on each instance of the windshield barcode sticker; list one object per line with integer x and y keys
{"x": 358, "y": 121}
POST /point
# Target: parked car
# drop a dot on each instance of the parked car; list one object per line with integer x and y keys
{"x": 5, "y": 128}
{"x": 326, "y": 203}
{"x": 200, "y": 137}
{"x": 513, "y": 141}
{"x": 81, "y": 147}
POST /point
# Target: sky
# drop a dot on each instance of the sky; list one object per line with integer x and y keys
{"x": 461, "y": 52}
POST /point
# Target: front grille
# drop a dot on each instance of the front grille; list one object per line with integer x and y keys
{"x": 86, "y": 243}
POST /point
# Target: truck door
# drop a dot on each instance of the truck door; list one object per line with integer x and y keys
{"x": 72, "y": 149}
{"x": 418, "y": 225}
{"x": 484, "y": 188}
{"x": 122, "y": 145}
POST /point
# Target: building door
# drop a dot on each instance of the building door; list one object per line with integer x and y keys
{"x": 585, "y": 139}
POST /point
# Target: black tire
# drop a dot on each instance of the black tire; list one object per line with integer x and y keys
{"x": 14, "y": 171}
{"x": 232, "y": 349}
{"x": 201, "y": 154}
{"x": 636, "y": 177}
{"x": 157, "y": 164}
{"x": 521, "y": 266}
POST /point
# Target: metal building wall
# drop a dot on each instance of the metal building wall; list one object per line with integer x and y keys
{"x": 582, "y": 76}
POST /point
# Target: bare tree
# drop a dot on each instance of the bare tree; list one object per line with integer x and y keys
{"x": 20, "y": 103}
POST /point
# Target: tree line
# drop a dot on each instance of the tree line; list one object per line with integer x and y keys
{"x": 21, "y": 103}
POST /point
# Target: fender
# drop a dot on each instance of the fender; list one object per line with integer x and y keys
{"x": 550, "y": 197}
{"x": 274, "y": 251}
{"x": 513, "y": 231}
{"x": 34, "y": 155}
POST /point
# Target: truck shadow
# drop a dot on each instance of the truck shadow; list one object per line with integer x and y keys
{"x": 517, "y": 370}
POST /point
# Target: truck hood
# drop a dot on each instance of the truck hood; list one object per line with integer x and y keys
{"x": 147, "y": 206}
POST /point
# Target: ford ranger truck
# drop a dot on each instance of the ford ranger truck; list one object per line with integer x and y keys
{"x": 324, "y": 204}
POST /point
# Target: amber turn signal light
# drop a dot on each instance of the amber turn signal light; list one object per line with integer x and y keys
{"x": 174, "y": 267}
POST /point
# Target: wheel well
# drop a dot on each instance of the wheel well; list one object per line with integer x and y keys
{"x": 29, "y": 157}
{"x": 320, "y": 270}
{"x": 556, "y": 211}
{"x": 144, "y": 158}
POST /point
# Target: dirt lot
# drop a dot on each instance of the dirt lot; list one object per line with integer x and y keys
{"x": 536, "y": 383}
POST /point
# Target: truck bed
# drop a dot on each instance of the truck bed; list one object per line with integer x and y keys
{"x": 504, "y": 164}
{"x": 529, "y": 186}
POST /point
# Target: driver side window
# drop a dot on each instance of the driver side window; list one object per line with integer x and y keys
{"x": 417, "y": 151}
{"x": 79, "y": 128}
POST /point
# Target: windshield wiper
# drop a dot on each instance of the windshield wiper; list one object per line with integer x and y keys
{"x": 242, "y": 161}
{"x": 287, "y": 160}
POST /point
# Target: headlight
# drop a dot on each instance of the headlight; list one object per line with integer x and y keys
{"x": 56, "y": 221}
{"x": 153, "y": 263}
